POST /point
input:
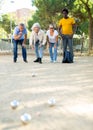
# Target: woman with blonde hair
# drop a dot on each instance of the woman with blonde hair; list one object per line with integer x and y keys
{"x": 52, "y": 39}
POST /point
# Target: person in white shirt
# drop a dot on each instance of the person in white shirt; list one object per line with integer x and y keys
{"x": 37, "y": 41}
{"x": 52, "y": 39}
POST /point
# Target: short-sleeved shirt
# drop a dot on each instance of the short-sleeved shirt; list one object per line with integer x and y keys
{"x": 17, "y": 31}
{"x": 52, "y": 39}
{"x": 67, "y": 25}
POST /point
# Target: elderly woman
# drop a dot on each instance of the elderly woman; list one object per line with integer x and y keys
{"x": 37, "y": 41}
{"x": 52, "y": 39}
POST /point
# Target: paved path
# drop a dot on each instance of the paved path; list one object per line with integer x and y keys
{"x": 70, "y": 84}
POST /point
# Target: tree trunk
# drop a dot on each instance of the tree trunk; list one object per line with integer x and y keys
{"x": 88, "y": 9}
{"x": 90, "y": 33}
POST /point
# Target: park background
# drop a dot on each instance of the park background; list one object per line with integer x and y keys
{"x": 71, "y": 85}
{"x": 45, "y": 12}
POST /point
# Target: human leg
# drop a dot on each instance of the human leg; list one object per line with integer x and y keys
{"x": 51, "y": 51}
{"x": 15, "y": 49}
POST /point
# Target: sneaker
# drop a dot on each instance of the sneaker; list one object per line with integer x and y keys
{"x": 37, "y": 60}
{"x": 40, "y": 60}
{"x": 54, "y": 61}
{"x": 15, "y": 60}
{"x": 25, "y": 61}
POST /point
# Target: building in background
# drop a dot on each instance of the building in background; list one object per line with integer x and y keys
{"x": 19, "y": 16}
{"x": 22, "y": 15}
{"x": 17, "y": 11}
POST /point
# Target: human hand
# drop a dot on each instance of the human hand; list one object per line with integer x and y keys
{"x": 55, "y": 46}
{"x": 32, "y": 46}
{"x": 40, "y": 45}
{"x": 62, "y": 35}
{"x": 24, "y": 45}
{"x": 71, "y": 36}
{"x": 20, "y": 33}
{"x": 49, "y": 45}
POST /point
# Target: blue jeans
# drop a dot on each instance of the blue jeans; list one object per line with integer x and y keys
{"x": 53, "y": 51}
{"x": 15, "y": 49}
{"x": 67, "y": 41}
{"x": 38, "y": 51}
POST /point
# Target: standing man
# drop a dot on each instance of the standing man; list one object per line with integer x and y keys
{"x": 20, "y": 36}
{"x": 67, "y": 28}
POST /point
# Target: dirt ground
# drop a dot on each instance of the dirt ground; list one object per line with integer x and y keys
{"x": 70, "y": 84}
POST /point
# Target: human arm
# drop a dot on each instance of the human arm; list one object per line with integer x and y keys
{"x": 42, "y": 38}
{"x": 60, "y": 29}
{"x": 73, "y": 28}
{"x": 47, "y": 39}
{"x": 17, "y": 36}
{"x": 56, "y": 39}
{"x": 74, "y": 31}
{"x": 31, "y": 40}
{"x": 25, "y": 39}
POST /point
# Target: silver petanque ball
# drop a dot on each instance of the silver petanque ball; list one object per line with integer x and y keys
{"x": 33, "y": 74}
{"x": 26, "y": 118}
{"x": 14, "y": 104}
{"x": 51, "y": 102}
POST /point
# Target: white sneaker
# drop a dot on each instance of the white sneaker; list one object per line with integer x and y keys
{"x": 54, "y": 61}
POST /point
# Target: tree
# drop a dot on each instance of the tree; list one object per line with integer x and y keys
{"x": 35, "y": 18}
{"x": 5, "y": 23}
{"x": 84, "y": 11}
{"x": 49, "y": 11}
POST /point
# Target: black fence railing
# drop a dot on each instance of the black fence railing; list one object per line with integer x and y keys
{"x": 79, "y": 45}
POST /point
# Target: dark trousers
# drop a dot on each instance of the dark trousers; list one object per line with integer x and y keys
{"x": 67, "y": 42}
{"x": 15, "y": 49}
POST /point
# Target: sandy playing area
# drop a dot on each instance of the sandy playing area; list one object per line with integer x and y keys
{"x": 70, "y": 84}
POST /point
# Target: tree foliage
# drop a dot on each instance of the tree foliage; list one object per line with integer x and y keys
{"x": 49, "y": 11}
{"x": 84, "y": 11}
{"x": 5, "y": 23}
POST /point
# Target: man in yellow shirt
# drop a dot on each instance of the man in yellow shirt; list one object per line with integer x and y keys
{"x": 66, "y": 28}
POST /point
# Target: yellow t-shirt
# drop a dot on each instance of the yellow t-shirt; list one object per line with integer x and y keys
{"x": 67, "y": 25}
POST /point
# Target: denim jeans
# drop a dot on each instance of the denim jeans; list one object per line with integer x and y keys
{"x": 38, "y": 50}
{"x": 67, "y": 42}
{"x": 15, "y": 49}
{"x": 53, "y": 51}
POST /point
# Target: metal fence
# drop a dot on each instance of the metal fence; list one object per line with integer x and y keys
{"x": 79, "y": 45}
{"x": 5, "y": 46}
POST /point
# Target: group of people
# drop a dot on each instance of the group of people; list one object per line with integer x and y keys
{"x": 39, "y": 38}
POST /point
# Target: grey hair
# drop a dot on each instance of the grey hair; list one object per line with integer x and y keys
{"x": 35, "y": 25}
{"x": 22, "y": 24}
